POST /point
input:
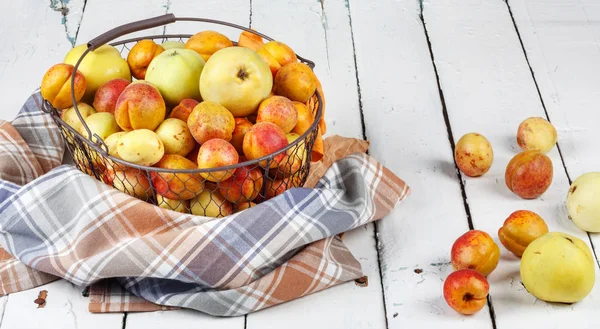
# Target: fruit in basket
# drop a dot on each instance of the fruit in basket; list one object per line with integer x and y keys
{"x": 243, "y": 206}
{"x": 215, "y": 153}
{"x": 583, "y": 202}
{"x": 243, "y": 186}
{"x": 275, "y": 187}
{"x": 211, "y": 204}
{"x": 106, "y": 96}
{"x": 237, "y": 78}
{"x": 129, "y": 180}
{"x": 183, "y": 110}
{"x": 141, "y": 146}
{"x": 295, "y": 158}
{"x": 250, "y": 40}
{"x": 206, "y": 43}
{"x": 529, "y": 174}
{"x": 173, "y": 44}
{"x": 278, "y": 110}
{"x": 473, "y": 154}
{"x": 475, "y": 250}
{"x": 140, "y": 56}
{"x": 210, "y": 120}
{"x": 181, "y": 206}
{"x": 111, "y": 143}
{"x": 176, "y": 136}
{"x": 70, "y": 117}
{"x": 274, "y": 65}
{"x": 558, "y": 267}
{"x": 281, "y": 52}
{"x": 265, "y": 138}
{"x": 178, "y": 186}
{"x": 56, "y": 86}
{"x": 193, "y": 156}
{"x": 98, "y": 66}
{"x": 102, "y": 124}
{"x": 520, "y": 229}
{"x": 305, "y": 118}
{"x": 536, "y": 134}
{"x": 140, "y": 106}
{"x": 176, "y": 73}
{"x": 466, "y": 291}
{"x": 295, "y": 81}
{"x": 242, "y": 125}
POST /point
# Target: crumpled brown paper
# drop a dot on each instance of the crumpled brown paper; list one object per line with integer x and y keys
{"x": 335, "y": 147}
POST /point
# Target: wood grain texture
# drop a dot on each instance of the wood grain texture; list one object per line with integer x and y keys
{"x": 488, "y": 88}
{"x": 320, "y": 31}
{"x": 33, "y": 39}
{"x": 405, "y": 124}
{"x": 65, "y": 308}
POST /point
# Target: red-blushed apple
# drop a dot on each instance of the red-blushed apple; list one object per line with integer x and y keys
{"x": 278, "y": 110}
{"x": 265, "y": 138}
{"x": 106, "y": 96}
{"x": 215, "y": 153}
{"x": 475, "y": 250}
{"x": 237, "y": 78}
{"x": 466, "y": 291}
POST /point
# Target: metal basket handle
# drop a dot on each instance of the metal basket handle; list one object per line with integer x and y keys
{"x": 142, "y": 25}
{"x": 130, "y": 28}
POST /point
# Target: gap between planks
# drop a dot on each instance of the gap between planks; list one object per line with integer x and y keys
{"x": 364, "y": 136}
{"x": 453, "y": 146}
{"x": 537, "y": 87}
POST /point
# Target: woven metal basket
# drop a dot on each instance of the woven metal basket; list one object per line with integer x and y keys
{"x": 213, "y": 192}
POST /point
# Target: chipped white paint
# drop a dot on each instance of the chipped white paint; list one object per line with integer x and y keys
{"x": 65, "y": 308}
{"x": 488, "y": 88}
{"x": 405, "y": 124}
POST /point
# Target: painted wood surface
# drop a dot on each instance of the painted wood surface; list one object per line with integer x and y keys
{"x": 375, "y": 58}
{"x": 488, "y": 88}
{"x": 405, "y": 124}
{"x": 320, "y": 31}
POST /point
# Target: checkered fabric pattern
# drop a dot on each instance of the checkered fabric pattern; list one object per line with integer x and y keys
{"x": 57, "y": 222}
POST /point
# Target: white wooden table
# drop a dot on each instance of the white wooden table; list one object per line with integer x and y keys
{"x": 410, "y": 76}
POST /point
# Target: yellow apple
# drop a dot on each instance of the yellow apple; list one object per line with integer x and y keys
{"x": 173, "y": 44}
{"x": 558, "y": 267}
{"x": 98, "y": 67}
{"x": 583, "y": 202}
{"x": 237, "y": 78}
{"x": 176, "y": 73}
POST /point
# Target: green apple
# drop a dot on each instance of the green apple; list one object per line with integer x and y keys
{"x": 173, "y": 44}
{"x": 558, "y": 267}
{"x": 583, "y": 202}
{"x": 237, "y": 78}
{"x": 176, "y": 74}
{"x": 98, "y": 67}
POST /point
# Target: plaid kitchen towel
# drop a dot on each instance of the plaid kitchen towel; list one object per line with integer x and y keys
{"x": 57, "y": 222}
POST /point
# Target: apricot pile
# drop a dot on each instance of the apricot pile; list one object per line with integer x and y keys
{"x": 206, "y": 103}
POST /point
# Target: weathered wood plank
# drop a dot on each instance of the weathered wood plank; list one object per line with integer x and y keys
{"x": 320, "y": 31}
{"x": 405, "y": 124}
{"x": 65, "y": 308}
{"x": 488, "y": 88}
{"x": 36, "y": 36}
{"x": 33, "y": 39}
